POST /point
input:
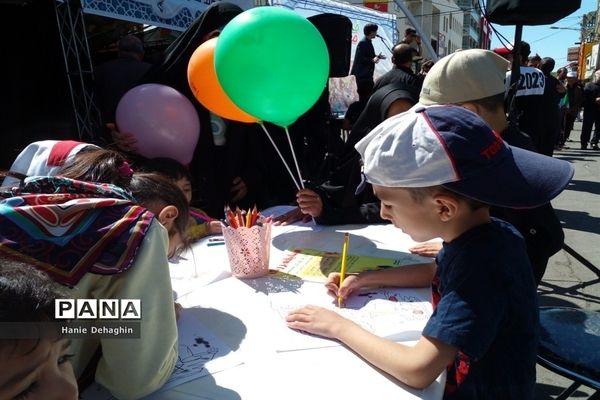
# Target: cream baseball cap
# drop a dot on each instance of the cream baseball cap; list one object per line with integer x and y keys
{"x": 463, "y": 76}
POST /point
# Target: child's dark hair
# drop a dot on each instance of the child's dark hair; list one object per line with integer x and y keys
{"x": 26, "y": 295}
{"x": 149, "y": 189}
{"x": 99, "y": 166}
{"x": 165, "y": 166}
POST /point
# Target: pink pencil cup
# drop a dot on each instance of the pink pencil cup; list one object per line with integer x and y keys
{"x": 248, "y": 250}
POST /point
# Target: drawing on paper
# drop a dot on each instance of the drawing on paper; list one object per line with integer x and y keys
{"x": 200, "y": 353}
{"x": 398, "y": 314}
{"x": 193, "y": 358}
{"x": 386, "y": 312}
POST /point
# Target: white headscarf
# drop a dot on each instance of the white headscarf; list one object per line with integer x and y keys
{"x": 44, "y": 158}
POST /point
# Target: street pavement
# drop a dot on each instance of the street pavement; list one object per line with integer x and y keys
{"x": 567, "y": 282}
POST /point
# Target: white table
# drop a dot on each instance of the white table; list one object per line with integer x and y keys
{"x": 239, "y": 313}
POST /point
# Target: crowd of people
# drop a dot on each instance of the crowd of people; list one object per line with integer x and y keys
{"x": 535, "y": 99}
{"x": 431, "y": 149}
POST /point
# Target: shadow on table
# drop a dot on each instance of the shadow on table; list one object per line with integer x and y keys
{"x": 275, "y": 282}
{"x": 332, "y": 241}
{"x": 320, "y": 240}
{"x": 231, "y": 330}
{"x": 225, "y": 326}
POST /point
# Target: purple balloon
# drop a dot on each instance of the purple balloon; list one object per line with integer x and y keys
{"x": 163, "y": 121}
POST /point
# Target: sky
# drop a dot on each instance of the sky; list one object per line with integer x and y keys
{"x": 549, "y": 42}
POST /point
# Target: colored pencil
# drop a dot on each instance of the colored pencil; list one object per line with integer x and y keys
{"x": 343, "y": 267}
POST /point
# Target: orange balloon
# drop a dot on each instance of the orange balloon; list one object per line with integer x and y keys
{"x": 203, "y": 81}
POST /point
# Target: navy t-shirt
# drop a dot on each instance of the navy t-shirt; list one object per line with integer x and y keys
{"x": 486, "y": 306}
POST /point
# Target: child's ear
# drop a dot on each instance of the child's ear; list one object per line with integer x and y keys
{"x": 167, "y": 216}
{"x": 447, "y": 206}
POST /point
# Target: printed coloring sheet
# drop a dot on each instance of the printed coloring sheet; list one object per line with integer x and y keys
{"x": 394, "y": 313}
{"x": 200, "y": 354}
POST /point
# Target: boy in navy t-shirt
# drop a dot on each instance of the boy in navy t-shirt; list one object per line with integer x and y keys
{"x": 436, "y": 171}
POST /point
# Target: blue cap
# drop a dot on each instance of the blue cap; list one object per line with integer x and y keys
{"x": 451, "y": 146}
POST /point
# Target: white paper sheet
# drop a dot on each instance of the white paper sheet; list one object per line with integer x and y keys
{"x": 198, "y": 267}
{"x": 201, "y": 353}
{"x": 397, "y": 314}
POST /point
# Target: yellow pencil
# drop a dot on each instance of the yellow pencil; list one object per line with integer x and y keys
{"x": 248, "y": 218}
{"x": 343, "y": 268}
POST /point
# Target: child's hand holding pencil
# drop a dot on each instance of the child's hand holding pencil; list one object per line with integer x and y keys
{"x": 344, "y": 290}
{"x": 343, "y": 267}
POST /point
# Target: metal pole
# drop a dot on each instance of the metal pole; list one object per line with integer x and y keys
{"x": 515, "y": 73}
{"x": 78, "y": 67}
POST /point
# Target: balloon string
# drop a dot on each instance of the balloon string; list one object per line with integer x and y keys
{"x": 297, "y": 168}
{"x": 287, "y": 133}
{"x": 280, "y": 155}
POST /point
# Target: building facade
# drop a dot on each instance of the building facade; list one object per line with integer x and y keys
{"x": 449, "y": 25}
{"x": 471, "y": 37}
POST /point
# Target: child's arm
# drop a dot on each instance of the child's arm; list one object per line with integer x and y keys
{"x": 201, "y": 225}
{"x": 134, "y": 368}
{"x": 418, "y": 275}
{"x": 416, "y": 366}
{"x": 427, "y": 249}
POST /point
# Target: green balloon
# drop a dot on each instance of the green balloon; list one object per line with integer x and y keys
{"x": 272, "y": 63}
